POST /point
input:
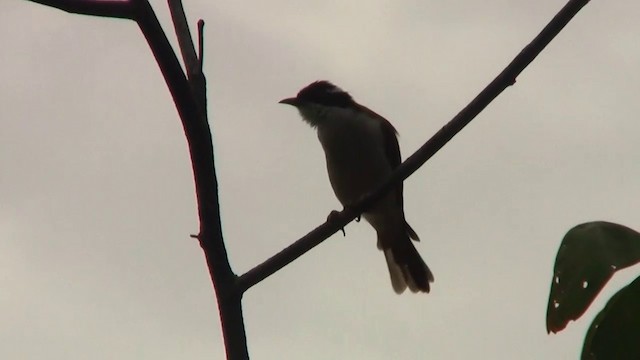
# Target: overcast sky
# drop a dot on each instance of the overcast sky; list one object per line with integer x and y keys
{"x": 97, "y": 199}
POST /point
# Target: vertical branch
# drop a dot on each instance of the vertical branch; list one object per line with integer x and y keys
{"x": 190, "y": 99}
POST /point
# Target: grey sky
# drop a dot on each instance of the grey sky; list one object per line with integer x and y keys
{"x": 96, "y": 190}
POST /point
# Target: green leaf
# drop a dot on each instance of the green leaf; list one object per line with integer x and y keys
{"x": 615, "y": 332}
{"x": 588, "y": 257}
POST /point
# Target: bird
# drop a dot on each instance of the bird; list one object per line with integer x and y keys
{"x": 361, "y": 150}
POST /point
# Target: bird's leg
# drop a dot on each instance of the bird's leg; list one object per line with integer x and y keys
{"x": 333, "y": 216}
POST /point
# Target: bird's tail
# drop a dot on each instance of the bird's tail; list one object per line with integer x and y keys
{"x": 406, "y": 267}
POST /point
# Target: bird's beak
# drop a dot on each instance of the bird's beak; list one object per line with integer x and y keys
{"x": 290, "y": 101}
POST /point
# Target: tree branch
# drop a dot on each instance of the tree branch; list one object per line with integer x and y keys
{"x": 121, "y": 9}
{"x": 505, "y": 79}
{"x": 190, "y": 100}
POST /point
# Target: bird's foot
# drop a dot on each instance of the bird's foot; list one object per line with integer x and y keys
{"x": 349, "y": 207}
{"x": 333, "y": 216}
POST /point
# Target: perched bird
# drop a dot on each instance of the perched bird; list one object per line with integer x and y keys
{"x": 361, "y": 149}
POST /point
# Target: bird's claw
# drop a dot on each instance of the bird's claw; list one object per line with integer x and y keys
{"x": 349, "y": 207}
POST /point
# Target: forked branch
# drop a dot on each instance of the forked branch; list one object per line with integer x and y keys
{"x": 189, "y": 96}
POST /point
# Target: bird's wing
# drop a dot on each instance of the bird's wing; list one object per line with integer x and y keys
{"x": 391, "y": 147}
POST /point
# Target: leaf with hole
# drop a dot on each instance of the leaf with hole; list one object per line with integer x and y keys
{"x": 588, "y": 257}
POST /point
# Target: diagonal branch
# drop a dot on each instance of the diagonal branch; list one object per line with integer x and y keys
{"x": 505, "y": 79}
{"x": 121, "y": 9}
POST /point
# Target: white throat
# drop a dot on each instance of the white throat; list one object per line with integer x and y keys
{"x": 315, "y": 114}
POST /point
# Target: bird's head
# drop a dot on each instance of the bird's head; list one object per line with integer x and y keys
{"x": 319, "y": 98}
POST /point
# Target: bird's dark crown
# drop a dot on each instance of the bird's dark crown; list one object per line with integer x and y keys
{"x": 325, "y": 93}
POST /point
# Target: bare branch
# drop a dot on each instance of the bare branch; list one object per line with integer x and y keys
{"x": 190, "y": 101}
{"x": 505, "y": 79}
{"x": 196, "y": 77}
{"x": 185, "y": 41}
{"x": 121, "y": 9}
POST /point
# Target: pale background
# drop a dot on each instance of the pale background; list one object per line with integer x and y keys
{"x": 97, "y": 201}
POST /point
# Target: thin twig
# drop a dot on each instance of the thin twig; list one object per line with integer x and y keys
{"x": 192, "y": 63}
{"x": 506, "y": 78}
{"x": 183, "y": 34}
{"x": 201, "y": 44}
